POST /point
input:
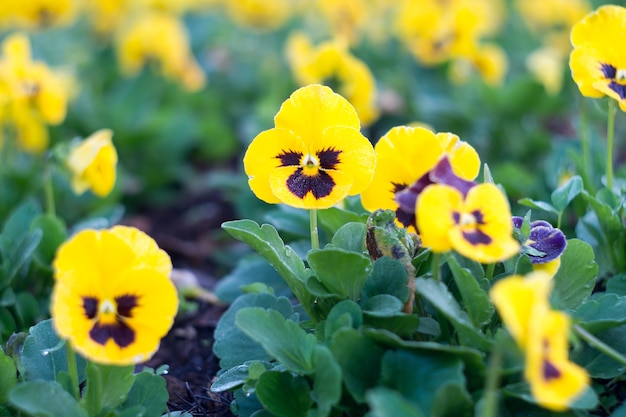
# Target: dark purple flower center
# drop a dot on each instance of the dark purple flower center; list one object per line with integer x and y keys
{"x": 310, "y": 175}
{"x": 616, "y": 78}
{"x": 118, "y": 330}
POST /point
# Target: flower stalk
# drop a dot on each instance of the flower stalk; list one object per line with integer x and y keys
{"x": 72, "y": 369}
{"x": 598, "y": 344}
{"x": 315, "y": 240}
{"x": 610, "y": 135}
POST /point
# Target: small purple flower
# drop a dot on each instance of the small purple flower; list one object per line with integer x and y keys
{"x": 544, "y": 243}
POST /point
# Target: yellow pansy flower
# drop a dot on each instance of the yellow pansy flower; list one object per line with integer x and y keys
{"x": 113, "y": 299}
{"x": 315, "y": 155}
{"x": 161, "y": 38}
{"x": 405, "y": 155}
{"x": 555, "y": 382}
{"x": 597, "y": 62}
{"x": 518, "y": 298}
{"x": 477, "y": 225}
{"x": 32, "y": 84}
{"x": 488, "y": 60}
{"x": 259, "y": 14}
{"x": 331, "y": 61}
{"x": 92, "y": 164}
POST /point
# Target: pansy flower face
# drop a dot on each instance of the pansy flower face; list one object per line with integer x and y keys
{"x": 92, "y": 164}
{"x": 555, "y": 382}
{"x": 477, "y": 225}
{"x": 315, "y": 156}
{"x": 113, "y": 298}
{"x": 405, "y": 157}
{"x": 597, "y": 62}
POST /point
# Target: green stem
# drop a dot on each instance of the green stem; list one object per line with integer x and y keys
{"x": 435, "y": 265}
{"x": 72, "y": 369}
{"x": 49, "y": 191}
{"x": 599, "y": 345}
{"x": 585, "y": 148}
{"x": 489, "y": 272}
{"x": 490, "y": 398}
{"x": 610, "y": 134}
{"x": 559, "y": 219}
{"x": 315, "y": 240}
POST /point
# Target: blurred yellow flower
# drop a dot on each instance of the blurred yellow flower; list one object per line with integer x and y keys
{"x": 404, "y": 157}
{"x": 555, "y": 382}
{"x": 436, "y": 31}
{"x": 32, "y": 14}
{"x": 259, "y": 14}
{"x": 597, "y": 62}
{"x": 29, "y": 129}
{"x": 477, "y": 225}
{"x": 315, "y": 155}
{"x": 518, "y": 298}
{"x": 93, "y": 164}
{"x": 546, "y": 65}
{"x": 332, "y": 62}
{"x": 106, "y": 15}
{"x": 523, "y": 304}
{"x": 113, "y": 299}
{"x": 161, "y": 38}
{"x": 488, "y": 60}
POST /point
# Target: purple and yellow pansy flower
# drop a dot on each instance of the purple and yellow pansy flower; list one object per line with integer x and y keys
{"x": 476, "y": 224}
{"x": 408, "y": 160}
{"x": 315, "y": 156}
{"x": 598, "y": 62}
{"x": 544, "y": 245}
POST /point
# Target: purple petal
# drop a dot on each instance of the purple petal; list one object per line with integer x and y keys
{"x": 549, "y": 240}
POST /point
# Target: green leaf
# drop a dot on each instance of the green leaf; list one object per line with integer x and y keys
{"x": 351, "y": 237}
{"x": 538, "y": 205}
{"x": 283, "y": 339}
{"x": 249, "y": 271}
{"x": 383, "y": 305}
{"x": 563, "y": 195}
{"x": 7, "y": 322}
{"x": 284, "y": 394}
{"x": 266, "y": 241}
{"x": 588, "y": 400}
{"x": 443, "y": 301}
{"x": 617, "y": 284}
{"x": 341, "y": 272}
{"x": 106, "y": 387}
{"x": 45, "y": 399}
{"x": 608, "y": 216}
{"x": 18, "y": 253}
{"x": 385, "y": 402}
{"x": 8, "y": 376}
{"x": 27, "y": 308}
{"x": 475, "y": 299}
{"x": 346, "y": 313}
{"x": 601, "y": 313}
{"x": 575, "y": 279}
{"x": 327, "y": 382}
{"x": 234, "y": 347}
{"x": 359, "y": 358}
{"x": 19, "y": 221}
{"x": 44, "y": 354}
{"x": 7, "y": 297}
{"x": 54, "y": 234}
{"x": 148, "y": 392}
{"x": 333, "y": 219}
{"x": 237, "y": 376}
{"x": 289, "y": 221}
{"x": 597, "y": 364}
{"x": 388, "y": 277}
{"x": 427, "y": 379}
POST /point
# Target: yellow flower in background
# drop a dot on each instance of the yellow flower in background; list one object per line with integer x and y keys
{"x": 555, "y": 382}
{"x": 30, "y": 130}
{"x": 404, "y": 157}
{"x": 598, "y": 62}
{"x": 106, "y": 15}
{"x": 93, "y": 164}
{"x": 113, "y": 299}
{"x": 436, "y": 31}
{"x": 331, "y": 62}
{"x": 33, "y": 14}
{"x": 489, "y": 61}
{"x": 315, "y": 155}
{"x": 477, "y": 225}
{"x": 518, "y": 298}
{"x": 160, "y": 38}
{"x": 546, "y": 65}
{"x": 259, "y": 14}
{"x": 31, "y": 84}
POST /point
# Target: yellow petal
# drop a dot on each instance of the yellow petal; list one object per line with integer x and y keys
{"x": 435, "y": 216}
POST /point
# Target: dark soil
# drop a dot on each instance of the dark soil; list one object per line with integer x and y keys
{"x": 187, "y": 349}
